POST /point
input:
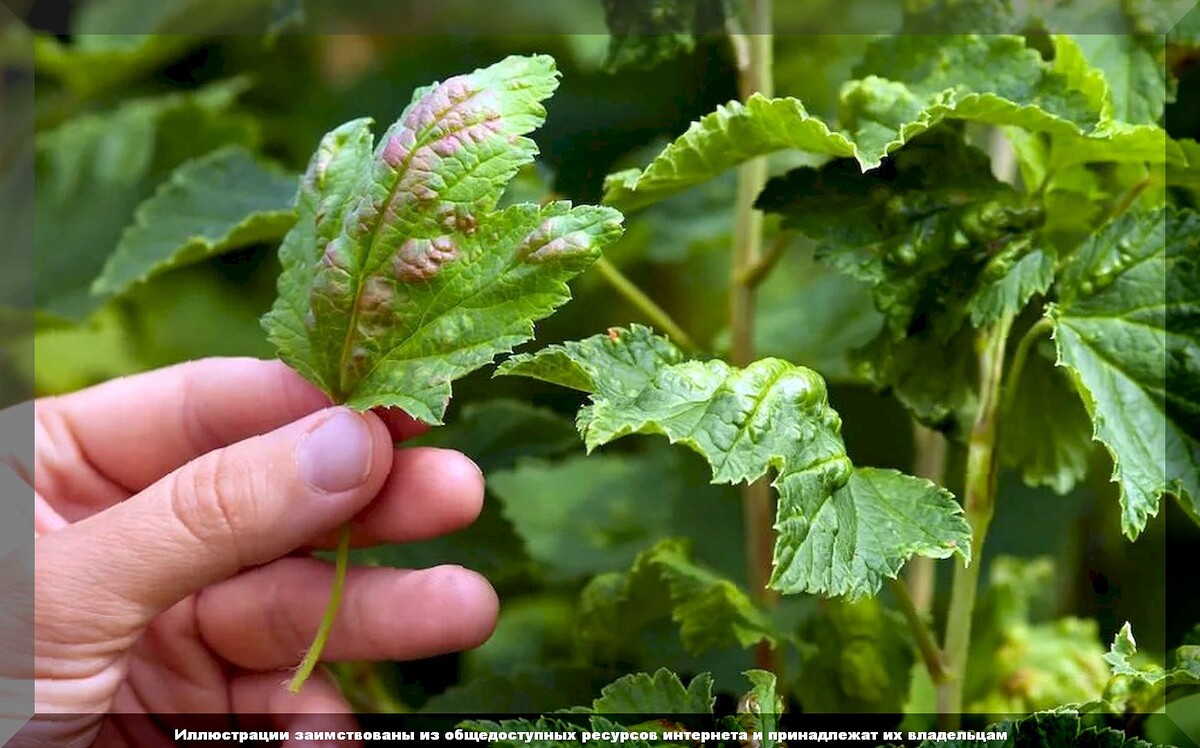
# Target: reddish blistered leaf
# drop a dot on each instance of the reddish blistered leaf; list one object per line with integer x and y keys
{"x": 402, "y": 274}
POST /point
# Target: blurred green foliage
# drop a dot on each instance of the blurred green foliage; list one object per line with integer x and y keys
{"x": 119, "y": 117}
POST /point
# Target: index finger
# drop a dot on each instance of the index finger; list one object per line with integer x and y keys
{"x": 137, "y": 429}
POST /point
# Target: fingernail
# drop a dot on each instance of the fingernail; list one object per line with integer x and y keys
{"x": 336, "y": 456}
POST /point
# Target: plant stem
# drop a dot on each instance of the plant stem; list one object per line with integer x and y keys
{"x": 313, "y": 655}
{"x": 930, "y": 463}
{"x": 644, "y": 304}
{"x": 1127, "y": 200}
{"x": 756, "y": 274}
{"x": 757, "y": 504}
{"x": 1031, "y": 336}
{"x": 977, "y": 505}
{"x": 926, "y": 644}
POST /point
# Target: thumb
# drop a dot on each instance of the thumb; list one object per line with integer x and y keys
{"x": 240, "y": 506}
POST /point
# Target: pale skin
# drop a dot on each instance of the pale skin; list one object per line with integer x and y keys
{"x": 174, "y": 514}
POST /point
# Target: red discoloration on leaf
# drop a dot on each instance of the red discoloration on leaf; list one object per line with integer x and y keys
{"x": 376, "y": 296}
{"x": 421, "y": 259}
{"x": 544, "y": 243}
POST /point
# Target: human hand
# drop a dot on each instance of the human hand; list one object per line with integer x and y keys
{"x": 173, "y": 514}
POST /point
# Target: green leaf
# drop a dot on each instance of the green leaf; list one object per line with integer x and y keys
{"x": 219, "y": 202}
{"x": 1134, "y": 68}
{"x": 1024, "y": 664}
{"x": 646, "y": 33}
{"x": 659, "y": 694}
{"x": 1045, "y": 433}
{"x": 908, "y": 84}
{"x": 759, "y": 709}
{"x": 860, "y": 661}
{"x": 841, "y": 532}
{"x": 93, "y": 171}
{"x": 1028, "y": 277}
{"x": 1146, "y": 688}
{"x": 719, "y": 141}
{"x": 711, "y": 612}
{"x": 923, "y": 229}
{"x": 1126, "y": 329}
{"x": 599, "y": 523}
{"x": 89, "y": 70}
{"x": 935, "y": 380}
{"x": 940, "y": 241}
{"x": 401, "y": 275}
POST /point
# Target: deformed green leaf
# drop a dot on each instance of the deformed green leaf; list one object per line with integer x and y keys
{"x": 940, "y": 241}
{"x": 926, "y": 229}
{"x": 1127, "y": 329}
{"x": 861, "y": 659}
{"x": 841, "y": 531}
{"x": 1146, "y": 688}
{"x": 1045, "y": 433}
{"x": 712, "y": 612}
{"x": 218, "y": 202}
{"x": 734, "y": 133}
{"x": 659, "y": 694}
{"x": 401, "y": 273}
{"x": 1029, "y": 276}
{"x": 1024, "y": 665}
{"x": 1134, "y": 68}
{"x": 646, "y": 33}
{"x": 908, "y": 84}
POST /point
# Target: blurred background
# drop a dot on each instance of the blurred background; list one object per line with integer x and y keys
{"x": 127, "y": 91}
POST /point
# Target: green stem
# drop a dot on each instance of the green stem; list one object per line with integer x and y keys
{"x": 1021, "y": 355}
{"x": 1127, "y": 200}
{"x": 930, "y": 463}
{"x": 761, "y": 269}
{"x": 644, "y": 304}
{"x": 757, "y": 503}
{"x": 978, "y": 505}
{"x": 926, "y": 644}
{"x": 313, "y": 655}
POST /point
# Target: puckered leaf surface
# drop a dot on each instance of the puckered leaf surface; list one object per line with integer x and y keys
{"x": 908, "y": 84}
{"x": 861, "y": 660}
{"x": 925, "y": 229}
{"x": 646, "y": 33}
{"x": 663, "y": 582}
{"x": 1023, "y": 664}
{"x": 1127, "y": 326}
{"x": 941, "y": 242}
{"x": 401, "y": 274}
{"x": 221, "y": 201}
{"x": 841, "y": 531}
{"x": 1045, "y": 433}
